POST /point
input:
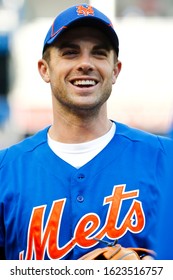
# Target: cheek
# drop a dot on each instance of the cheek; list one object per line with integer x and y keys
{"x": 107, "y": 70}
{"x": 111, "y": 76}
{"x": 57, "y": 80}
{"x": 59, "y": 72}
{"x": 54, "y": 74}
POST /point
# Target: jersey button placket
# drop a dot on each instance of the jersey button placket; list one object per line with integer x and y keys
{"x": 80, "y": 179}
{"x": 80, "y": 198}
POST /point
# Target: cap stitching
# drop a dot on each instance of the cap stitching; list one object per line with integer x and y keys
{"x": 53, "y": 33}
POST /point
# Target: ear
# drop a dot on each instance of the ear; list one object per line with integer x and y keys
{"x": 116, "y": 71}
{"x": 43, "y": 69}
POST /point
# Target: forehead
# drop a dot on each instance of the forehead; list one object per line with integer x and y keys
{"x": 77, "y": 34}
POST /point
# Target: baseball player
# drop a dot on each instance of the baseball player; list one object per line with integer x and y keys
{"x": 85, "y": 180}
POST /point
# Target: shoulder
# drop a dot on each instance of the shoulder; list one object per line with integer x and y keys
{"x": 25, "y": 146}
{"x": 145, "y": 139}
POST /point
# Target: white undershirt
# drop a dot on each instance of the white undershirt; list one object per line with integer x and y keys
{"x": 79, "y": 154}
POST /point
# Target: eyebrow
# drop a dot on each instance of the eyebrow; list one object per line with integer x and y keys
{"x": 66, "y": 44}
{"x": 105, "y": 46}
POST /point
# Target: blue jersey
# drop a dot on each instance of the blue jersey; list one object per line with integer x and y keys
{"x": 51, "y": 210}
{"x": 165, "y": 221}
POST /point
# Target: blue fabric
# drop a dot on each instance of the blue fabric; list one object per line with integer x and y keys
{"x": 80, "y": 14}
{"x": 51, "y": 210}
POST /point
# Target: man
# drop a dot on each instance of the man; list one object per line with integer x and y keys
{"x": 85, "y": 177}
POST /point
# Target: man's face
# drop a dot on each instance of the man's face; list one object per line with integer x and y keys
{"x": 82, "y": 69}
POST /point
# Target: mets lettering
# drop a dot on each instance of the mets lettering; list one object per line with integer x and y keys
{"x": 41, "y": 240}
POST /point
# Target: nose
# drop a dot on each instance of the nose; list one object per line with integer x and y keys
{"x": 85, "y": 64}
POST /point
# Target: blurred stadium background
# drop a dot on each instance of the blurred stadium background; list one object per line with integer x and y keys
{"x": 143, "y": 95}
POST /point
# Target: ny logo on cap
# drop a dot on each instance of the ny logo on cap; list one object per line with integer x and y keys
{"x": 81, "y": 10}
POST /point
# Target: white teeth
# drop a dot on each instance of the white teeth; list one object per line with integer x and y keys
{"x": 84, "y": 83}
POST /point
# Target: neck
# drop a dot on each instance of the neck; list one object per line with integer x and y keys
{"x": 75, "y": 128}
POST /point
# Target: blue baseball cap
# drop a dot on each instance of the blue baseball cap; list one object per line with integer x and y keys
{"x": 79, "y": 15}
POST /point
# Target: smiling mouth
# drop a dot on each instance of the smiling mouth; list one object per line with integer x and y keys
{"x": 84, "y": 83}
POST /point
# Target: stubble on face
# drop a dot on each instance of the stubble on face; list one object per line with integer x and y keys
{"x": 64, "y": 68}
